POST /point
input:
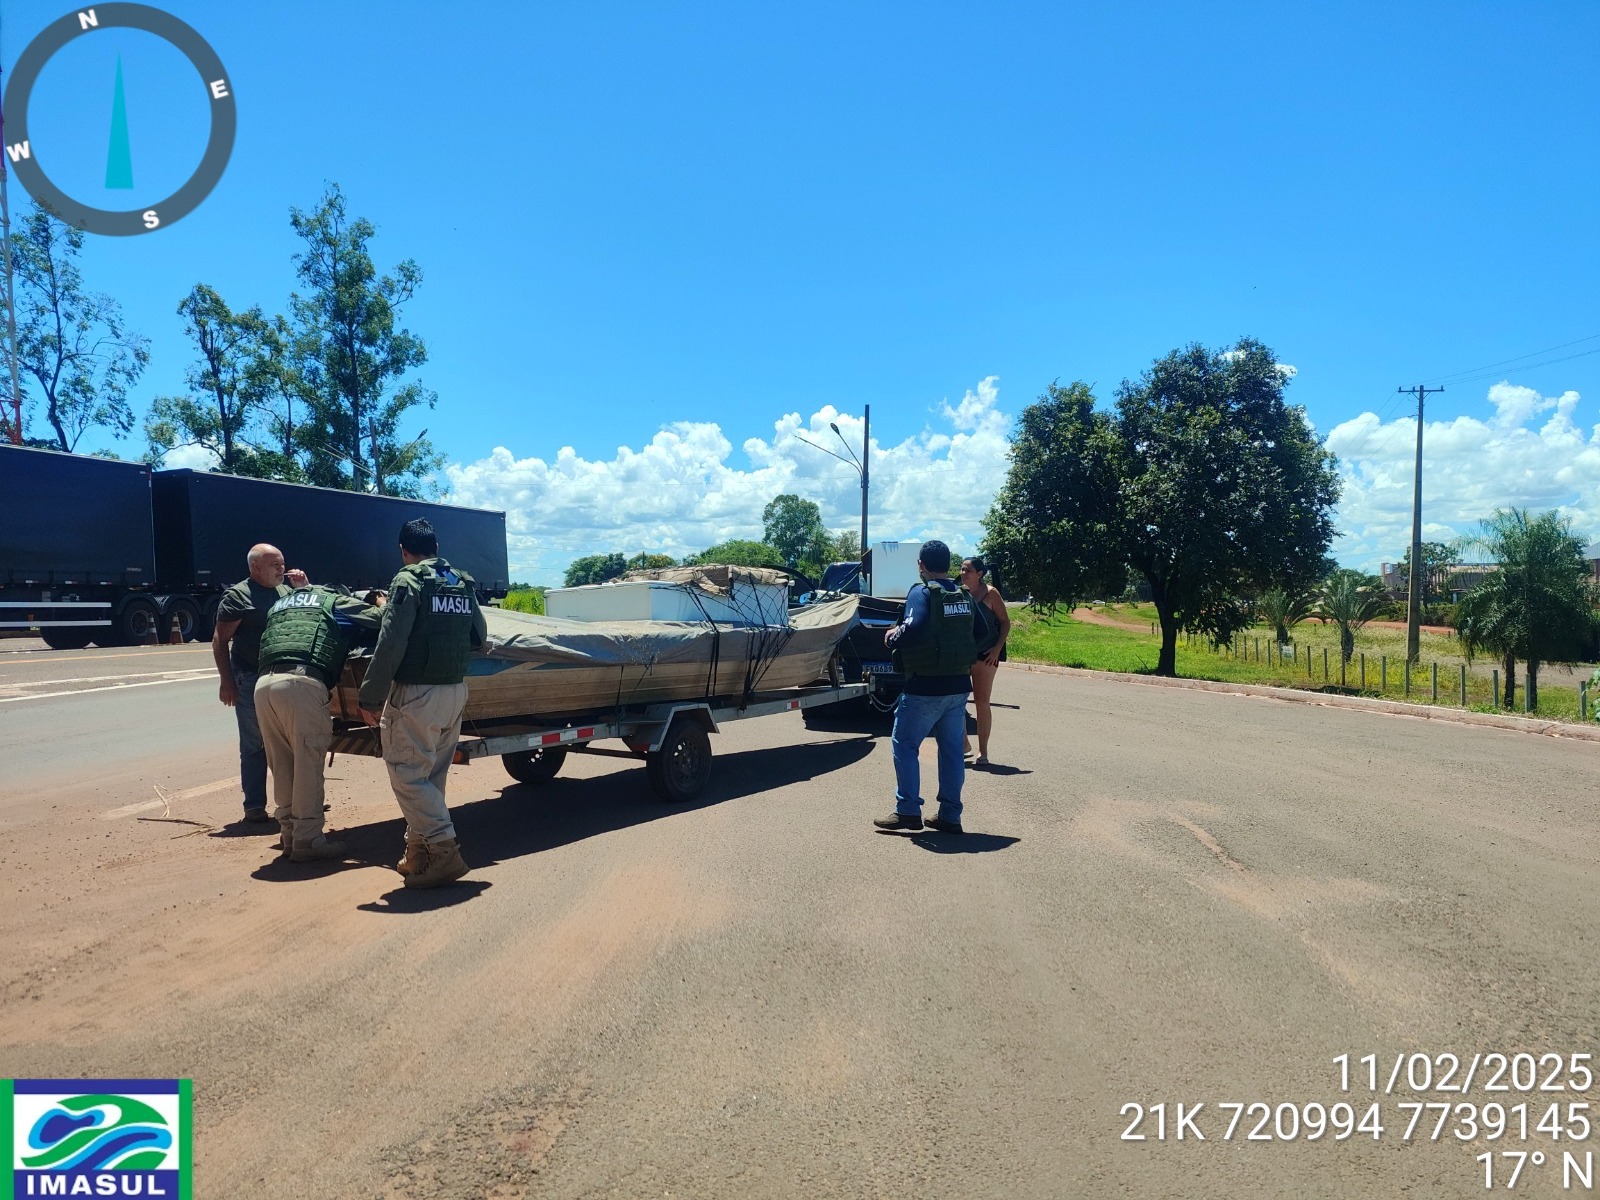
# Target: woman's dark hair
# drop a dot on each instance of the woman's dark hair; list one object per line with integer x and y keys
{"x": 977, "y": 564}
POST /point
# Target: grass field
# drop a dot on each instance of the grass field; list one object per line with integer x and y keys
{"x": 1066, "y": 641}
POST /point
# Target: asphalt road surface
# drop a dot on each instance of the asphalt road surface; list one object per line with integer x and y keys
{"x": 1167, "y": 896}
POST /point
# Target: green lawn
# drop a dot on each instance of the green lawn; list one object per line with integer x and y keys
{"x": 1068, "y": 642}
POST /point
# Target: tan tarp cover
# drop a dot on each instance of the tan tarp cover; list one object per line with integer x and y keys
{"x": 716, "y": 578}
{"x": 524, "y": 637}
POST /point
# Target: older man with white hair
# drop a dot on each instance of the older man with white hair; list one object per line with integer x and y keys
{"x": 236, "y": 645}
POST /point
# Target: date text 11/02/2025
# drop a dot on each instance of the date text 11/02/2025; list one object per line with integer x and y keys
{"x": 1516, "y": 1106}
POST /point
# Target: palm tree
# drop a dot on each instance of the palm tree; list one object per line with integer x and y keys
{"x": 1283, "y": 610}
{"x": 1538, "y": 605}
{"x": 1350, "y": 599}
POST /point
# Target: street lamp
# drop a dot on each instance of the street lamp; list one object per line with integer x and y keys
{"x": 862, "y": 467}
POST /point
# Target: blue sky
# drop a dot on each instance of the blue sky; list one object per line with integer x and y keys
{"x": 659, "y": 240}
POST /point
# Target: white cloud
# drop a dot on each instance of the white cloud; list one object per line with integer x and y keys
{"x": 197, "y": 458}
{"x": 679, "y": 493}
{"x": 1470, "y": 467}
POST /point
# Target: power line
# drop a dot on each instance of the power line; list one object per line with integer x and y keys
{"x": 1506, "y": 361}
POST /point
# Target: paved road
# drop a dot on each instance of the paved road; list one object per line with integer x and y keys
{"x": 1176, "y": 896}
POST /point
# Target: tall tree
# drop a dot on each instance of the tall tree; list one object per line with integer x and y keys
{"x": 595, "y": 568}
{"x": 1349, "y": 599}
{"x": 847, "y": 547}
{"x": 1538, "y": 604}
{"x": 354, "y": 356}
{"x": 71, "y": 343}
{"x": 645, "y": 561}
{"x": 1437, "y": 559}
{"x": 793, "y": 527}
{"x": 1204, "y": 482}
{"x": 226, "y": 384}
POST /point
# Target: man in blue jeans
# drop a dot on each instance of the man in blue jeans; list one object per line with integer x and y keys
{"x": 935, "y": 645}
{"x": 235, "y": 644}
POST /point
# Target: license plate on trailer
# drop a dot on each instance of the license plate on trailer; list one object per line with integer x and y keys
{"x": 877, "y": 668}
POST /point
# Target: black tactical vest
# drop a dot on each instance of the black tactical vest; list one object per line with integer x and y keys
{"x": 949, "y": 646}
{"x": 441, "y": 636}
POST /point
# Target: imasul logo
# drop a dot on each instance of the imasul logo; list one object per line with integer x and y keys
{"x": 97, "y": 1137}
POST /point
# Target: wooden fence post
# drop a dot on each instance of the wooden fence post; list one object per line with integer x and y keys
{"x": 1363, "y": 670}
{"x": 1383, "y": 679}
{"x": 1494, "y": 688}
{"x": 1408, "y": 679}
{"x": 1324, "y": 664}
{"x": 1436, "y": 683}
{"x": 1463, "y": 685}
{"x": 1583, "y": 700}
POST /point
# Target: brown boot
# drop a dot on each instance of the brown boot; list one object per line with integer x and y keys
{"x": 442, "y": 863}
{"x": 416, "y": 857}
{"x": 285, "y": 836}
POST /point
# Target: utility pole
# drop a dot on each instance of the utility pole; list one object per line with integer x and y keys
{"x": 866, "y": 479}
{"x": 1414, "y": 590}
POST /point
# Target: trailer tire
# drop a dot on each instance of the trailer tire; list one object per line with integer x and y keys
{"x": 68, "y": 637}
{"x": 208, "y": 619}
{"x": 136, "y": 620}
{"x": 535, "y": 766}
{"x": 679, "y": 770}
{"x": 183, "y": 614}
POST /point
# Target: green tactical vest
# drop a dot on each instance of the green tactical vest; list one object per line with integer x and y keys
{"x": 301, "y": 629}
{"x": 441, "y": 637}
{"x": 949, "y": 647}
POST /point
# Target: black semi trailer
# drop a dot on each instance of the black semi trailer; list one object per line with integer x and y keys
{"x": 112, "y": 552}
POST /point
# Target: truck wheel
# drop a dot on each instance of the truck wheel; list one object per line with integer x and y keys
{"x": 183, "y": 614}
{"x": 68, "y": 637}
{"x": 679, "y": 770}
{"x": 538, "y": 765}
{"x": 138, "y": 619}
{"x": 208, "y": 619}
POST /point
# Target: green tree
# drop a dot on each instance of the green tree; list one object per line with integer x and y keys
{"x": 595, "y": 568}
{"x": 1538, "y": 604}
{"x": 846, "y": 547}
{"x": 226, "y": 384}
{"x": 353, "y": 355}
{"x": 1437, "y": 560}
{"x": 651, "y": 562}
{"x": 737, "y": 553}
{"x": 71, "y": 343}
{"x": 793, "y": 527}
{"x": 1204, "y": 482}
{"x": 1350, "y": 599}
{"x": 1283, "y": 610}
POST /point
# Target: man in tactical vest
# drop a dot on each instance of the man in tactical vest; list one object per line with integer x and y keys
{"x": 935, "y": 645}
{"x": 430, "y": 626}
{"x": 307, "y": 635}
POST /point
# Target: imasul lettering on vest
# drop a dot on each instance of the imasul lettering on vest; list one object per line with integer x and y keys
{"x": 441, "y": 638}
{"x": 950, "y": 645}
{"x": 301, "y": 628}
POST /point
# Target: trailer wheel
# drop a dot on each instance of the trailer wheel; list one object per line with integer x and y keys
{"x": 69, "y": 637}
{"x": 208, "y": 619}
{"x": 535, "y": 766}
{"x": 138, "y": 619}
{"x": 679, "y": 770}
{"x": 183, "y": 614}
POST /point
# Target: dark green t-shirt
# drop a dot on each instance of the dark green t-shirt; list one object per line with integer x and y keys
{"x": 247, "y": 602}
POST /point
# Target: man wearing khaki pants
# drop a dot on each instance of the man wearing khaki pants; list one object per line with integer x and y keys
{"x": 414, "y": 690}
{"x": 308, "y": 633}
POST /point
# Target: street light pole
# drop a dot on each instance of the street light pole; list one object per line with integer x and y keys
{"x": 866, "y": 481}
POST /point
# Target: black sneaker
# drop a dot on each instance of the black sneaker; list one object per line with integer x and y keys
{"x": 259, "y": 816}
{"x": 944, "y": 826}
{"x": 896, "y": 822}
